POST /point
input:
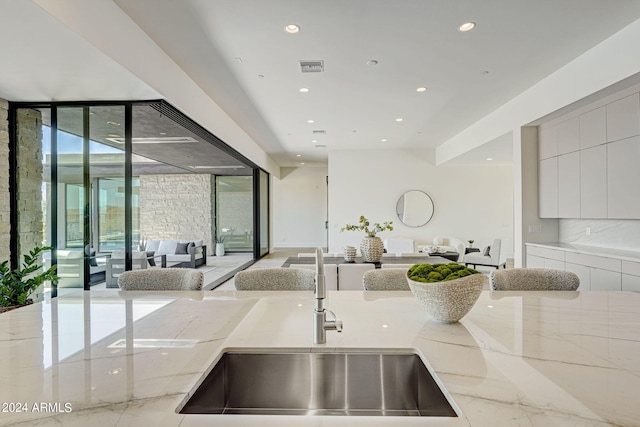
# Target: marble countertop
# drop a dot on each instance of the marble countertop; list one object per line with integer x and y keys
{"x": 622, "y": 254}
{"x": 130, "y": 359}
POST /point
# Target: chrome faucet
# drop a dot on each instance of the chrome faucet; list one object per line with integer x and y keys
{"x": 320, "y": 323}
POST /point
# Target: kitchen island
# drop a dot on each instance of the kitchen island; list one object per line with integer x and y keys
{"x": 132, "y": 358}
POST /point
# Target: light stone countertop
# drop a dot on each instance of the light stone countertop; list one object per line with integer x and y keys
{"x": 622, "y": 254}
{"x": 131, "y": 358}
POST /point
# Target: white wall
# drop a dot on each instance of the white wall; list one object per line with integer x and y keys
{"x": 300, "y": 207}
{"x": 471, "y": 202}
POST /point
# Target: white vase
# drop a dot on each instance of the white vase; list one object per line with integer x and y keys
{"x": 371, "y": 248}
{"x": 219, "y": 249}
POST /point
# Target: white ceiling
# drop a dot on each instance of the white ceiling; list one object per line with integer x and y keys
{"x": 224, "y": 46}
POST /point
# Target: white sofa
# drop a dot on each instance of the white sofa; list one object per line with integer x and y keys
{"x": 179, "y": 255}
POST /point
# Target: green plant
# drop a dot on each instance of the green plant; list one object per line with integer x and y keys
{"x": 17, "y": 285}
{"x": 430, "y": 273}
{"x": 220, "y": 239}
{"x": 470, "y": 243}
{"x": 364, "y": 226}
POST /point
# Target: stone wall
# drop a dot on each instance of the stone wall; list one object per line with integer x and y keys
{"x": 177, "y": 207}
{"x": 30, "y": 215}
{"x": 5, "y": 209}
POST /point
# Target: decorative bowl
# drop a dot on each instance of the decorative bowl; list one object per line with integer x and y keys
{"x": 449, "y": 301}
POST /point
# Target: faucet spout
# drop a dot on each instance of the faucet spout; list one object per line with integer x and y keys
{"x": 320, "y": 323}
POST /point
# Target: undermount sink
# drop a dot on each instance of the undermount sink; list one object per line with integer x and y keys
{"x": 299, "y": 383}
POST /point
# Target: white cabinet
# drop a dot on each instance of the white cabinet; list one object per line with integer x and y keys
{"x": 623, "y": 118}
{"x": 547, "y": 142}
{"x": 605, "y": 280}
{"x": 630, "y": 276}
{"x": 630, "y": 282}
{"x": 623, "y": 179}
{"x": 584, "y": 274}
{"x": 548, "y": 188}
{"x": 593, "y": 128}
{"x": 568, "y": 136}
{"x": 593, "y": 182}
{"x": 569, "y": 185}
{"x": 535, "y": 261}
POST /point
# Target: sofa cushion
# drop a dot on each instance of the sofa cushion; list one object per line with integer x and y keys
{"x": 167, "y": 247}
{"x": 152, "y": 245}
{"x": 183, "y": 248}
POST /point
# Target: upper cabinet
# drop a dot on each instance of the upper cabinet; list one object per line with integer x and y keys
{"x": 548, "y": 188}
{"x": 623, "y": 178}
{"x": 589, "y": 163}
{"x": 593, "y": 128}
{"x": 548, "y": 142}
{"x": 568, "y": 136}
{"x": 623, "y": 118}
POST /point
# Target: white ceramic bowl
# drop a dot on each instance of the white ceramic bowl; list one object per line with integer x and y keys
{"x": 449, "y": 301}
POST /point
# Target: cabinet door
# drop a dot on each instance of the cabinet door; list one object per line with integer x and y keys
{"x": 547, "y": 142}
{"x": 605, "y": 280}
{"x": 584, "y": 274}
{"x": 623, "y": 118}
{"x": 554, "y": 264}
{"x": 535, "y": 261}
{"x": 623, "y": 179}
{"x": 569, "y": 136}
{"x": 569, "y": 185}
{"x": 548, "y": 188}
{"x": 630, "y": 283}
{"x": 593, "y": 128}
{"x": 593, "y": 182}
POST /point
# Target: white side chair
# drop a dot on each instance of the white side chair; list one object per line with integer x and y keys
{"x": 533, "y": 279}
{"x": 330, "y": 274}
{"x": 397, "y": 245}
{"x": 350, "y": 276}
{"x": 451, "y": 244}
{"x": 389, "y": 279}
{"x": 491, "y": 260}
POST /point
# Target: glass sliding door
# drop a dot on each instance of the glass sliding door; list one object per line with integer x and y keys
{"x": 234, "y": 212}
{"x": 72, "y": 197}
{"x": 263, "y": 212}
{"x": 106, "y": 248}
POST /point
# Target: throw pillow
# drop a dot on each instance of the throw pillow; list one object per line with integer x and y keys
{"x": 181, "y": 248}
{"x": 486, "y": 251}
{"x": 152, "y": 261}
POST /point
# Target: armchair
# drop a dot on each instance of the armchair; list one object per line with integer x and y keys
{"x": 490, "y": 260}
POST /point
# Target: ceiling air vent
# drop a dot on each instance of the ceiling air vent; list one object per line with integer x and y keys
{"x": 312, "y": 66}
{"x": 321, "y": 145}
{"x": 319, "y": 132}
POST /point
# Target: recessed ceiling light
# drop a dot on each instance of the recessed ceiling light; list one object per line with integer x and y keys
{"x": 485, "y": 72}
{"x": 302, "y": 163}
{"x": 298, "y": 155}
{"x": 304, "y": 89}
{"x": 467, "y": 26}
{"x": 421, "y": 89}
{"x": 113, "y": 135}
{"x": 113, "y": 123}
{"x": 292, "y": 28}
{"x": 383, "y": 140}
{"x": 260, "y": 76}
{"x": 314, "y": 140}
{"x": 311, "y": 121}
{"x": 372, "y": 62}
{"x": 489, "y": 158}
{"x": 399, "y": 119}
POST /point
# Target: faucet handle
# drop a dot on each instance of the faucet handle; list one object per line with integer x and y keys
{"x": 338, "y": 324}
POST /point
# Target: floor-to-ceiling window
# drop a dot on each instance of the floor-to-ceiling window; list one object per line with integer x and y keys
{"x": 95, "y": 193}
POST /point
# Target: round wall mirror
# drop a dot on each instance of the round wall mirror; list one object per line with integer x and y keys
{"x": 414, "y": 208}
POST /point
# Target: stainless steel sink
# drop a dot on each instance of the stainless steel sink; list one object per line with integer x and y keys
{"x": 291, "y": 383}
